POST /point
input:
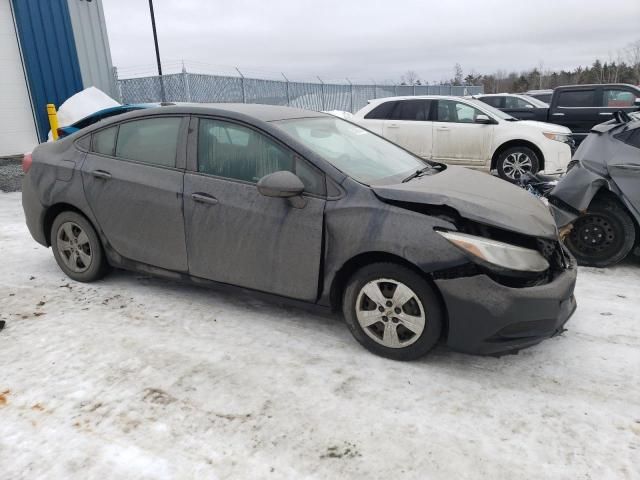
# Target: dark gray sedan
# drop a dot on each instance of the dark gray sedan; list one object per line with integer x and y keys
{"x": 308, "y": 207}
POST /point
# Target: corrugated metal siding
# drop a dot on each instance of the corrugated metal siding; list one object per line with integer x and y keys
{"x": 92, "y": 45}
{"x": 49, "y": 53}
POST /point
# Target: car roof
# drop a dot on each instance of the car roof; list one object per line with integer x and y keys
{"x": 265, "y": 113}
{"x": 418, "y": 97}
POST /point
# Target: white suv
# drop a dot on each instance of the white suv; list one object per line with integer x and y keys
{"x": 469, "y": 132}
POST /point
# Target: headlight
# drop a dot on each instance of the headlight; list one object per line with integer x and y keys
{"x": 558, "y": 137}
{"x": 499, "y": 254}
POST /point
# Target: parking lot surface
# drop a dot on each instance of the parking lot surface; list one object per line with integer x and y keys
{"x": 135, "y": 377}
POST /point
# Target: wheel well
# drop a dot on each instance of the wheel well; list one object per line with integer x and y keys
{"x": 52, "y": 212}
{"x": 604, "y": 193}
{"x": 516, "y": 143}
{"x": 343, "y": 275}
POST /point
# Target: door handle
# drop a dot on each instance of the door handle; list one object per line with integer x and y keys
{"x": 101, "y": 174}
{"x": 605, "y": 113}
{"x": 558, "y": 115}
{"x": 443, "y": 128}
{"x": 393, "y": 125}
{"x": 204, "y": 198}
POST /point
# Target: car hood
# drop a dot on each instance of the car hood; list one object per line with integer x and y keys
{"x": 545, "y": 127}
{"x": 479, "y": 197}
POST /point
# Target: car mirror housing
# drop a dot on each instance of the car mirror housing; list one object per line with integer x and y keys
{"x": 282, "y": 184}
{"x": 483, "y": 119}
{"x": 636, "y": 102}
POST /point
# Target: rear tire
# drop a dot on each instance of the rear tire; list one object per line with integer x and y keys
{"x": 77, "y": 248}
{"x": 515, "y": 161}
{"x": 603, "y": 236}
{"x": 392, "y": 311}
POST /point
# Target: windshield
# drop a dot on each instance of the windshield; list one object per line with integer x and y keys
{"x": 489, "y": 109}
{"x": 353, "y": 150}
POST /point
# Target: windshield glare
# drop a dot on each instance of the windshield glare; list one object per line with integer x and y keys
{"x": 353, "y": 150}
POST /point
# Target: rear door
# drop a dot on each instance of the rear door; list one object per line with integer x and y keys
{"x": 410, "y": 127}
{"x": 374, "y": 120}
{"x": 237, "y": 236}
{"x": 576, "y": 109}
{"x": 616, "y": 98}
{"x": 457, "y": 139}
{"x": 133, "y": 181}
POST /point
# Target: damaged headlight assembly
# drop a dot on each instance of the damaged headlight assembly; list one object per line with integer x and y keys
{"x": 492, "y": 253}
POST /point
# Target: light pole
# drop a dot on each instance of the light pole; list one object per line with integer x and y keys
{"x": 155, "y": 42}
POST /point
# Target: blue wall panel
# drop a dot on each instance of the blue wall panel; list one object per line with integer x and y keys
{"x": 49, "y": 53}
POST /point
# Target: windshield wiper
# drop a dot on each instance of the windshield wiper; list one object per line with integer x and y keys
{"x": 417, "y": 173}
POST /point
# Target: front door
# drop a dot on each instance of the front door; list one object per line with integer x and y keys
{"x": 457, "y": 138}
{"x": 237, "y": 236}
{"x": 133, "y": 178}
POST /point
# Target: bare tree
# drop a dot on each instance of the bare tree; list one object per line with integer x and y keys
{"x": 457, "y": 74}
{"x": 410, "y": 77}
{"x": 633, "y": 57}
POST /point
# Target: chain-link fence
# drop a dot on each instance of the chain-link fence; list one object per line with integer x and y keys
{"x": 194, "y": 87}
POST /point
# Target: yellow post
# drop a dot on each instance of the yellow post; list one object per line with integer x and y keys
{"x": 53, "y": 120}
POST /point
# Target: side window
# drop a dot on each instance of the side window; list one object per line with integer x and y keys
{"x": 456, "y": 112}
{"x": 151, "y": 140}
{"x": 381, "y": 112}
{"x": 104, "y": 141}
{"x": 230, "y": 150}
{"x": 411, "y": 110}
{"x": 577, "y": 98}
{"x": 496, "y": 102}
{"x": 614, "y": 97}
{"x": 515, "y": 102}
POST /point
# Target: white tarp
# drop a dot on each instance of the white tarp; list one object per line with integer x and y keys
{"x": 83, "y": 104}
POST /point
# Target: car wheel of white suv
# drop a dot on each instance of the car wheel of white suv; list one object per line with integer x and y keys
{"x": 515, "y": 161}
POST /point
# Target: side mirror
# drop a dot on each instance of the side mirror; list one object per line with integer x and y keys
{"x": 484, "y": 119}
{"x": 528, "y": 105}
{"x": 282, "y": 184}
{"x": 636, "y": 102}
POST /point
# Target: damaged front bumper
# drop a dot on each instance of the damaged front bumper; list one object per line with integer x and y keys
{"x": 486, "y": 317}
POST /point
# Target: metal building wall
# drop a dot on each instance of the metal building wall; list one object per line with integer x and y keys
{"x": 92, "y": 45}
{"x": 49, "y": 53}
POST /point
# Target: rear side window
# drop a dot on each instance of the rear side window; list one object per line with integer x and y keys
{"x": 381, "y": 112}
{"x": 615, "y": 97}
{"x": 233, "y": 151}
{"x": 411, "y": 110}
{"x": 104, "y": 141}
{"x": 577, "y": 98}
{"x": 152, "y": 140}
{"x": 497, "y": 102}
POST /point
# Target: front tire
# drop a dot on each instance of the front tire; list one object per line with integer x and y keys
{"x": 77, "y": 248}
{"x": 603, "y": 236}
{"x": 392, "y": 311}
{"x": 513, "y": 162}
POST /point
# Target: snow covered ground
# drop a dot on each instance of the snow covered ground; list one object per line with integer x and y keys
{"x": 134, "y": 377}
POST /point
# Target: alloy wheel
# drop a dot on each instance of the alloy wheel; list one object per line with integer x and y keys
{"x": 390, "y": 313}
{"x": 74, "y": 247}
{"x": 515, "y": 164}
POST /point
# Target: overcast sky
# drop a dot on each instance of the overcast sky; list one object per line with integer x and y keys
{"x": 368, "y": 39}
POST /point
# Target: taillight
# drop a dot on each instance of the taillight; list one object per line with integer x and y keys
{"x": 61, "y": 132}
{"x": 27, "y": 160}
